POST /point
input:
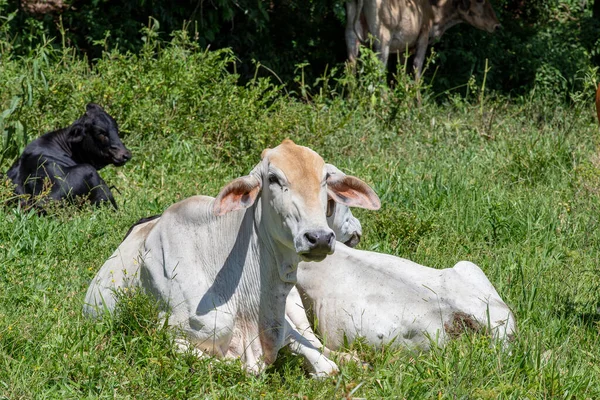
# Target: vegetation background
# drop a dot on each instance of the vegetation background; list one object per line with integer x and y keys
{"x": 497, "y": 165}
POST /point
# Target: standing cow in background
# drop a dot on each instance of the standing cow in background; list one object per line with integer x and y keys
{"x": 400, "y": 25}
{"x": 70, "y": 159}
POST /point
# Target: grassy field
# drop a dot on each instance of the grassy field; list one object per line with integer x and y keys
{"x": 510, "y": 184}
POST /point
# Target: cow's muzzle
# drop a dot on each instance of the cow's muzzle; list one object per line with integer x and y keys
{"x": 315, "y": 245}
{"x": 354, "y": 240}
{"x": 493, "y": 28}
{"x": 120, "y": 155}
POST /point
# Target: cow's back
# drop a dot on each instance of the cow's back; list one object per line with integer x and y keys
{"x": 190, "y": 260}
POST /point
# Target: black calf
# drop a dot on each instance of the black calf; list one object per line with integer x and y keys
{"x": 70, "y": 158}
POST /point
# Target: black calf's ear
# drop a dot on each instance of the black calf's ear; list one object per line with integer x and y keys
{"x": 76, "y": 133}
{"x": 93, "y": 107}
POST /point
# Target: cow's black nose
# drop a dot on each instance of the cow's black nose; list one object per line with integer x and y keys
{"x": 320, "y": 239}
{"x": 354, "y": 240}
{"x": 127, "y": 155}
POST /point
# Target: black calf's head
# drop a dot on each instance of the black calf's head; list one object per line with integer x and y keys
{"x": 96, "y": 139}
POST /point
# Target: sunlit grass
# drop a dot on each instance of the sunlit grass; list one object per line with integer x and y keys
{"x": 516, "y": 193}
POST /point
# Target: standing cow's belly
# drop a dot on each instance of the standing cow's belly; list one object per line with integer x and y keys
{"x": 405, "y": 34}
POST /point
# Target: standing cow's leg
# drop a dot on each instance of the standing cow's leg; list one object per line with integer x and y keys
{"x": 352, "y": 41}
{"x": 382, "y": 47}
{"x": 422, "y": 43}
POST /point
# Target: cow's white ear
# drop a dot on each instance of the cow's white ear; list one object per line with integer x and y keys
{"x": 237, "y": 194}
{"x": 351, "y": 191}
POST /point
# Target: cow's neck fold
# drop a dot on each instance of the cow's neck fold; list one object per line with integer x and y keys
{"x": 60, "y": 139}
{"x": 445, "y": 16}
{"x": 273, "y": 291}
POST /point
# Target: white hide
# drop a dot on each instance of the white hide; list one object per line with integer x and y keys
{"x": 384, "y": 298}
{"x": 223, "y": 279}
{"x": 121, "y": 270}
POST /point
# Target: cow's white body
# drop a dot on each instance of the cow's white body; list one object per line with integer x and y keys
{"x": 222, "y": 268}
{"x": 386, "y": 299}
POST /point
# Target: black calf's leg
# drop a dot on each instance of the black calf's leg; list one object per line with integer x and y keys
{"x": 101, "y": 193}
{"x": 82, "y": 180}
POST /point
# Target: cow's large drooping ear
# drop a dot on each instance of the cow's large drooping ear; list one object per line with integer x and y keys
{"x": 351, "y": 191}
{"x": 237, "y": 194}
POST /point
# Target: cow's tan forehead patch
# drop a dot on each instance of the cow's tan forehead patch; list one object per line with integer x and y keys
{"x": 302, "y": 166}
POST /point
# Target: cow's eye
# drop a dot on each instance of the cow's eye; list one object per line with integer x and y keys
{"x": 330, "y": 207}
{"x": 103, "y": 137}
{"x": 274, "y": 180}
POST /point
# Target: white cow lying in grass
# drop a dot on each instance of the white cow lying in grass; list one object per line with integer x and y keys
{"x": 223, "y": 267}
{"x": 386, "y": 299}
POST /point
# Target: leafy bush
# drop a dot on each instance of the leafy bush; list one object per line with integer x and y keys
{"x": 547, "y": 45}
{"x": 544, "y": 44}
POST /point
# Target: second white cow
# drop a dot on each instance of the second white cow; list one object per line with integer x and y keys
{"x": 387, "y": 299}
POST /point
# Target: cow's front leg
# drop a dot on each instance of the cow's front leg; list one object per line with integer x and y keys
{"x": 183, "y": 345}
{"x": 302, "y": 340}
{"x": 382, "y": 47}
{"x": 81, "y": 180}
{"x": 316, "y": 362}
{"x": 422, "y": 43}
{"x": 352, "y": 40}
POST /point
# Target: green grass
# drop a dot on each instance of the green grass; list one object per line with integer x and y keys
{"x": 510, "y": 184}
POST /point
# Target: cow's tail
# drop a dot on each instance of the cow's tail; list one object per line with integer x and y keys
{"x": 358, "y": 28}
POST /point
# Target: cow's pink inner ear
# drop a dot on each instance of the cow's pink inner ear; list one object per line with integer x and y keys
{"x": 352, "y": 192}
{"x": 236, "y": 195}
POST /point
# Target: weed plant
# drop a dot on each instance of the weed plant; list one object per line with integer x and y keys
{"x": 510, "y": 184}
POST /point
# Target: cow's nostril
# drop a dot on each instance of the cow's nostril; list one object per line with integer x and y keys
{"x": 329, "y": 238}
{"x": 311, "y": 237}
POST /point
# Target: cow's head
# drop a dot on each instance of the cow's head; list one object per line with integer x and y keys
{"x": 478, "y": 13}
{"x": 347, "y": 227}
{"x": 294, "y": 184}
{"x": 96, "y": 134}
